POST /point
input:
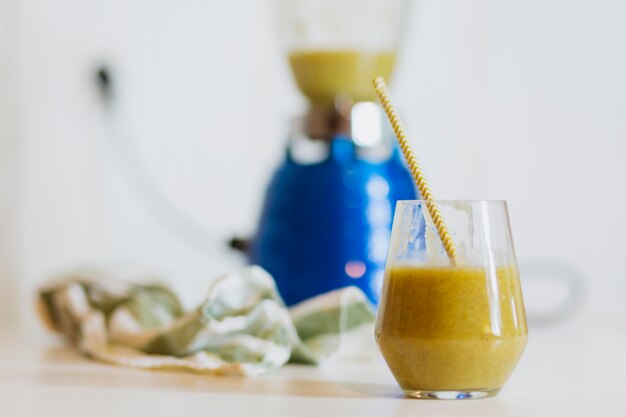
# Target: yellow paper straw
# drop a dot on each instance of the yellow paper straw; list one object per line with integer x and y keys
{"x": 414, "y": 167}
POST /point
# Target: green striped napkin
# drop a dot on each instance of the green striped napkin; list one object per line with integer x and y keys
{"x": 242, "y": 328}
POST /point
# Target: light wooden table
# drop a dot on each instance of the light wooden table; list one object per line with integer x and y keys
{"x": 573, "y": 370}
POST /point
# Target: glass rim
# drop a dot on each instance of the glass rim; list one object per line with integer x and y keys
{"x": 448, "y": 201}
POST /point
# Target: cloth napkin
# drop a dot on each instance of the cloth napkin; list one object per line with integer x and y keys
{"x": 242, "y": 328}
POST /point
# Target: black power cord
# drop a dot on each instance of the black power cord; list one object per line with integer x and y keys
{"x": 139, "y": 180}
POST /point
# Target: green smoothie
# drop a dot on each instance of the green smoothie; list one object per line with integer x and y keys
{"x": 451, "y": 329}
{"x": 322, "y": 75}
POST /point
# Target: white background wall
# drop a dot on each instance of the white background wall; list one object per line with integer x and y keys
{"x": 9, "y": 171}
{"x": 520, "y": 100}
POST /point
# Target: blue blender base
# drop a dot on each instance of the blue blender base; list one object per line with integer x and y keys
{"x": 325, "y": 226}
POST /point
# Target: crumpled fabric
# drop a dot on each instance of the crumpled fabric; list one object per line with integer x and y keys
{"x": 242, "y": 328}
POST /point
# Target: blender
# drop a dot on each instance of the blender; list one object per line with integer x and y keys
{"x": 327, "y": 215}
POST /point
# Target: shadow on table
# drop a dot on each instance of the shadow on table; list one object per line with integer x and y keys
{"x": 376, "y": 390}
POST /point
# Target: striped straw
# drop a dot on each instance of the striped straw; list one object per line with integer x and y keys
{"x": 414, "y": 167}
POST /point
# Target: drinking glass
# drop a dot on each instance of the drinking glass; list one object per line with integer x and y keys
{"x": 451, "y": 331}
